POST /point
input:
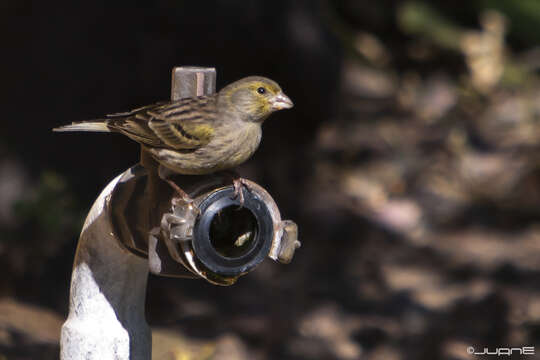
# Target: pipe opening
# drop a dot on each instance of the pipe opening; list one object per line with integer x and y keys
{"x": 233, "y": 231}
{"x": 229, "y": 240}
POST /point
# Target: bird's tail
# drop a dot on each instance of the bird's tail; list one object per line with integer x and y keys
{"x": 96, "y": 125}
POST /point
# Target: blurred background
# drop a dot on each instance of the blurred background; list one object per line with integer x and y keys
{"x": 411, "y": 163}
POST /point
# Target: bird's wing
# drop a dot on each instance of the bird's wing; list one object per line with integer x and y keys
{"x": 183, "y": 124}
{"x": 137, "y": 110}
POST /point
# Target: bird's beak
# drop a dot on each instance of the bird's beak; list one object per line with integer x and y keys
{"x": 281, "y": 101}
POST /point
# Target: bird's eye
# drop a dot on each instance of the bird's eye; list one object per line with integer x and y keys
{"x": 261, "y": 90}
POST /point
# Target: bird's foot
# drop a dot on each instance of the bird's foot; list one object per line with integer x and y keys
{"x": 183, "y": 198}
{"x": 238, "y": 184}
{"x": 182, "y": 195}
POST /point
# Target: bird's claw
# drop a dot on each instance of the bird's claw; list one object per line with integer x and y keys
{"x": 238, "y": 183}
{"x": 183, "y": 198}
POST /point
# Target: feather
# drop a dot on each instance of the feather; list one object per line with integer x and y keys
{"x": 97, "y": 126}
{"x": 174, "y": 135}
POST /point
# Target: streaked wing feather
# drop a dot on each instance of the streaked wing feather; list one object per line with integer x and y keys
{"x": 136, "y": 128}
{"x": 183, "y": 124}
{"x": 137, "y": 110}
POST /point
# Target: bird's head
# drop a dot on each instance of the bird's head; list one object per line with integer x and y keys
{"x": 255, "y": 98}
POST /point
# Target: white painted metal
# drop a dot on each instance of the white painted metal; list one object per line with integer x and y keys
{"x": 108, "y": 290}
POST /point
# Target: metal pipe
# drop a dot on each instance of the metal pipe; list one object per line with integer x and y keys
{"x": 108, "y": 287}
{"x": 188, "y": 81}
{"x": 136, "y": 226}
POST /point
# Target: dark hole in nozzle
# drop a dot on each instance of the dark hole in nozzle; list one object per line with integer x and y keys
{"x": 233, "y": 231}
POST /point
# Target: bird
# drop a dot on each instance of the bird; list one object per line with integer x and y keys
{"x": 199, "y": 135}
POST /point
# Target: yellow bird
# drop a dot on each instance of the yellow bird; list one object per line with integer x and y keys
{"x": 202, "y": 135}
